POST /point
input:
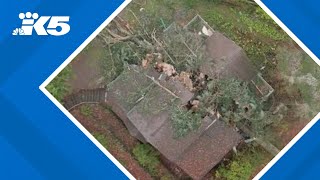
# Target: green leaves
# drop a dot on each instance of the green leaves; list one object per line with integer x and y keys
{"x": 147, "y": 157}
{"x": 243, "y": 165}
{"x": 58, "y": 86}
{"x": 86, "y": 110}
{"x": 234, "y": 101}
{"x": 184, "y": 121}
{"x": 235, "y": 171}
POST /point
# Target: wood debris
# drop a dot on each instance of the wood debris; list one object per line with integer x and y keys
{"x": 184, "y": 78}
{"x": 148, "y": 59}
{"x": 166, "y": 68}
{"x": 195, "y": 105}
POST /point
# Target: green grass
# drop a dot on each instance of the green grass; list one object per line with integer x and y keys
{"x": 306, "y": 92}
{"x": 251, "y": 29}
{"x": 309, "y": 66}
{"x": 147, "y": 157}
{"x": 248, "y": 25}
{"x": 265, "y": 29}
{"x": 283, "y": 62}
{"x": 86, "y": 110}
{"x": 102, "y": 139}
{"x": 243, "y": 166}
{"x": 190, "y": 3}
{"x": 59, "y": 87}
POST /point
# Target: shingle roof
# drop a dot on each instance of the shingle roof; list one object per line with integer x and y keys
{"x": 124, "y": 92}
{"x": 147, "y": 116}
{"x": 225, "y": 58}
{"x": 209, "y": 150}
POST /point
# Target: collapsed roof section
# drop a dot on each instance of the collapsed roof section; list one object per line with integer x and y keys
{"x": 143, "y": 99}
{"x": 137, "y": 88}
{"x": 216, "y": 55}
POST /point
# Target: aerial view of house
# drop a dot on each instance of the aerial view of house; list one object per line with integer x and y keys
{"x": 177, "y": 90}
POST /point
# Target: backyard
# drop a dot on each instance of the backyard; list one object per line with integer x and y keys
{"x": 292, "y": 74}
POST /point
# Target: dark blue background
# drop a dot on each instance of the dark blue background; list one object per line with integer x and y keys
{"x": 36, "y": 139}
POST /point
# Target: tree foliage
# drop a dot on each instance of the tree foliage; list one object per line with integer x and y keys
{"x": 234, "y": 101}
{"x": 236, "y": 170}
{"x": 184, "y": 121}
{"x": 186, "y": 48}
{"x": 243, "y": 165}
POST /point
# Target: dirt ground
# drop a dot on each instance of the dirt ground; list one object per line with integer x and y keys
{"x": 119, "y": 142}
{"x": 101, "y": 122}
{"x": 287, "y": 134}
{"x": 86, "y": 68}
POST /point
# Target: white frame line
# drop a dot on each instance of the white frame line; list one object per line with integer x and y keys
{"x": 65, "y": 111}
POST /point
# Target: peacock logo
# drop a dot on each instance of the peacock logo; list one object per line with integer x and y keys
{"x": 18, "y": 31}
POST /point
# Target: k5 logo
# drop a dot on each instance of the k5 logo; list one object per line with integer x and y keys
{"x": 57, "y": 26}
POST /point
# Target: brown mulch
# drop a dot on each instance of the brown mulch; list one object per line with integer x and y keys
{"x": 97, "y": 123}
{"x": 107, "y": 119}
{"x": 292, "y": 130}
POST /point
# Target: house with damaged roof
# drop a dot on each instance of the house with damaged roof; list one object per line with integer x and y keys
{"x": 143, "y": 98}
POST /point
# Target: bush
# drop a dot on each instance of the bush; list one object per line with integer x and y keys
{"x": 243, "y": 165}
{"x": 235, "y": 171}
{"x": 86, "y": 110}
{"x": 147, "y": 157}
{"x": 102, "y": 139}
{"x": 58, "y": 87}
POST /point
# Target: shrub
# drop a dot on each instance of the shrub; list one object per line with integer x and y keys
{"x": 147, "y": 157}
{"x": 243, "y": 165}
{"x": 86, "y": 110}
{"x": 102, "y": 139}
{"x": 58, "y": 87}
{"x": 235, "y": 171}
